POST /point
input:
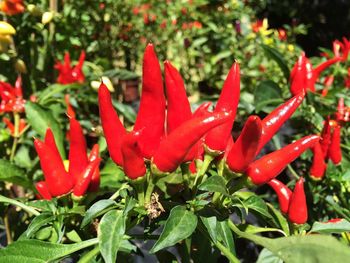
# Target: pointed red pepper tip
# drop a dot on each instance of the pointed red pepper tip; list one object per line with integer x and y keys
{"x": 297, "y": 211}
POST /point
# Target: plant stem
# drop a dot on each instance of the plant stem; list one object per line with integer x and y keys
{"x": 151, "y": 182}
{"x": 89, "y": 255}
{"x": 26, "y": 208}
{"x": 224, "y": 250}
{"x": 15, "y": 136}
{"x": 7, "y": 228}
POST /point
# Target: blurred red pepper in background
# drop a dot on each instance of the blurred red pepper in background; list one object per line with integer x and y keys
{"x": 12, "y": 7}
{"x": 11, "y": 97}
{"x": 68, "y": 74}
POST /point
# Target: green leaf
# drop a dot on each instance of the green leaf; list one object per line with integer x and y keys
{"x": 22, "y": 158}
{"x": 10, "y": 172}
{"x": 279, "y": 219}
{"x": 266, "y": 256}
{"x": 38, "y": 222}
{"x": 278, "y": 57}
{"x": 223, "y": 54}
{"x": 258, "y": 205}
{"x": 225, "y": 235}
{"x": 54, "y": 89}
{"x": 111, "y": 175}
{"x": 96, "y": 210}
{"x": 34, "y": 251}
{"x": 110, "y": 234}
{"x": 255, "y": 229}
{"x": 267, "y": 95}
{"x": 210, "y": 224}
{"x": 40, "y": 119}
{"x": 125, "y": 110}
{"x": 331, "y": 227}
{"x": 296, "y": 249}
{"x": 180, "y": 224}
{"x": 214, "y": 183}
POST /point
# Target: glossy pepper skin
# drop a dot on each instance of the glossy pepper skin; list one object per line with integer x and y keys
{"x": 84, "y": 178}
{"x": 269, "y": 166}
{"x": 50, "y": 142}
{"x": 151, "y": 116}
{"x": 243, "y": 151}
{"x": 113, "y": 129}
{"x": 283, "y": 194}
{"x": 273, "y": 122}
{"x": 334, "y": 150}
{"x": 319, "y": 166}
{"x": 78, "y": 159}
{"x": 43, "y": 190}
{"x": 56, "y": 177}
{"x": 95, "y": 179}
{"x": 216, "y": 139}
{"x": 182, "y": 139}
{"x": 326, "y": 136}
{"x": 178, "y": 106}
{"x": 133, "y": 164}
{"x": 297, "y": 212}
{"x": 70, "y": 111}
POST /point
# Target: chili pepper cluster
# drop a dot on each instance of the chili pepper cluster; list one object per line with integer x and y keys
{"x": 82, "y": 173}
{"x": 167, "y": 134}
{"x": 67, "y": 73}
{"x": 11, "y": 96}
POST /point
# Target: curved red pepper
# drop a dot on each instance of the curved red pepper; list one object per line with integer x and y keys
{"x": 340, "y": 110}
{"x": 178, "y": 106}
{"x": 216, "y": 139}
{"x": 273, "y": 122}
{"x": 269, "y": 166}
{"x": 57, "y": 179}
{"x": 174, "y": 148}
{"x": 318, "y": 166}
{"x": 151, "y": 116}
{"x": 297, "y": 212}
{"x": 113, "y": 129}
{"x": 133, "y": 164}
{"x": 243, "y": 151}
{"x": 283, "y": 194}
{"x": 197, "y": 151}
{"x": 43, "y": 190}
{"x": 9, "y": 125}
{"x": 77, "y": 149}
{"x": 334, "y": 150}
{"x": 84, "y": 178}
{"x": 95, "y": 179}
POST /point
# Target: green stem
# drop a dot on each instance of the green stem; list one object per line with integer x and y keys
{"x": 186, "y": 174}
{"x": 89, "y": 255}
{"x": 7, "y": 228}
{"x": 205, "y": 165}
{"x": 140, "y": 191}
{"x": 116, "y": 194}
{"x": 26, "y": 208}
{"x": 16, "y": 133}
{"x": 150, "y": 187}
{"x": 224, "y": 250}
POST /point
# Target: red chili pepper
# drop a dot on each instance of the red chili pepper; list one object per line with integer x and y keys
{"x": 9, "y": 125}
{"x": 244, "y": 149}
{"x": 113, "y": 129}
{"x": 43, "y": 190}
{"x": 273, "y": 122}
{"x": 216, "y": 139}
{"x": 67, "y": 73}
{"x": 283, "y": 194}
{"x": 133, "y": 162}
{"x": 77, "y": 149}
{"x": 70, "y": 110}
{"x": 297, "y": 212}
{"x": 269, "y": 166}
{"x": 326, "y": 138}
{"x": 50, "y": 142}
{"x": 339, "y": 115}
{"x": 178, "y": 106}
{"x": 197, "y": 151}
{"x": 151, "y": 116}
{"x": 84, "y": 178}
{"x": 95, "y": 179}
{"x": 57, "y": 179}
{"x": 328, "y": 81}
{"x": 334, "y": 150}
{"x": 174, "y": 148}
{"x": 318, "y": 166}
